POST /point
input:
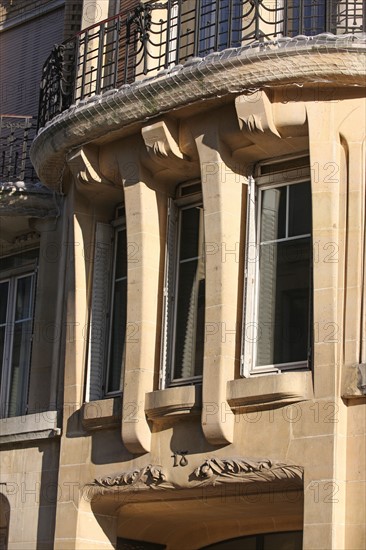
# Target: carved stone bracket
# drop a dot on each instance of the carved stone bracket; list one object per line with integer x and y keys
{"x": 162, "y": 144}
{"x": 84, "y": 165}
{"x": 255, "y": 116}
{"x": 215, "y": 471}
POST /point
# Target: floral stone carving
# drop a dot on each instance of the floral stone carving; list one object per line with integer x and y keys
{"x": 149, "y": 476}
{"x": 233, "y": 470}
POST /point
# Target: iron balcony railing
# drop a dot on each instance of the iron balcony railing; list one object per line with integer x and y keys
{"x": 159, "y": 35}
{"x": 16, "y": 135}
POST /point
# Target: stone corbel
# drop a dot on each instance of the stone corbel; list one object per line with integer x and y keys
{"x": 162, "y": 143}
{"x": 84, "y": 165}
{"x": 265, "y": 126}
{"x": 256, "y": 117}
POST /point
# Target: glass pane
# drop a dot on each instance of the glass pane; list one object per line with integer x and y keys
{"x": 283, "y": 302}
{"x": 273, "y": 214}
{"x": 19, "y": 368}
{"x": 4, "y": 287}
{"x": 190, "y": 320}
{"x": 121, "y": 255}
{"x": 283, "y": 541}
{"x": 23, "y": 299}
{"x": 190, "y": 246}
{"x": 118, "y": 335}
{"x": 299, "y": 209}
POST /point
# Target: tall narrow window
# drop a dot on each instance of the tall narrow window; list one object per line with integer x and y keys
{"x": 184, "y": 289}
{"x": 17, "y": 289}
{"x": 277, "y": 311}
{"x": 117, "y": 332}
{"x": 108, "y": 310}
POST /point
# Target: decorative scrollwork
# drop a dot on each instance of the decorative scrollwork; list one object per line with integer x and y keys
{"x": 216, "y": 470}
{"x": 141, "y": 17}
{"x": 149, "y": 476}
{"x": 57, "y": 81}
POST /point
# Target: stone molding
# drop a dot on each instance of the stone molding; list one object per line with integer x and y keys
{"x": 324, "y": 59}
{"x": 258, "y": 392}
{"x": 41, "y": 425}
{"x": 173, "y": 402}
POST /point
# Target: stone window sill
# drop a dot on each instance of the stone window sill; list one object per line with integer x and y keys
{"x": 173, "y": 402}
{"x": 16, "y": 429}
{"x": 102, "y": 414}
{"x": 259, "y": 392}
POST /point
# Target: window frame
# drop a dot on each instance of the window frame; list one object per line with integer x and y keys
{"x": 98, "y": 360}
{"x": 119, "y": 225}
{"x": 258, "y": 183}
{"x": 13, "y": 275}
{"x": 171, "y": 284}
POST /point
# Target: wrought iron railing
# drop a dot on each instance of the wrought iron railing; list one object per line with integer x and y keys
{"x": 16, "y": 135}
{"x": 159, "y": 35}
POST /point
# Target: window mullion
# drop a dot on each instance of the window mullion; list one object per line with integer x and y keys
{"x": 250, "y": 277}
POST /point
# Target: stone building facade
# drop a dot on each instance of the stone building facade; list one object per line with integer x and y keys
{"x": 192, "y": 373}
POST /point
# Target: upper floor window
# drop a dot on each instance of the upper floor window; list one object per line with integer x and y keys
{"x": 108, "y": 309}
{"x": 184, "y": 311}
{"x": 17, "y": 290}
{"x": 277, "y": 311}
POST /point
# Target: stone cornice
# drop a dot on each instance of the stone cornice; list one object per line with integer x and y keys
{"x": 28, "y": 199}
{"x": 325, "y": 59}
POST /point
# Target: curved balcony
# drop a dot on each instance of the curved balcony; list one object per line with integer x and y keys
{"x": 16, "y": 135}
{"x": 155, "y": 36}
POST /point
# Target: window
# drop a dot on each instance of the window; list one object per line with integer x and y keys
{"x": 277, "y": 309}
{"x": 108, "y": 310}
{"x": 306, "y": 17}
{"x": 220, "y": 25}
{"x": 17, "y": 290}
{"x": 184, "y": 308}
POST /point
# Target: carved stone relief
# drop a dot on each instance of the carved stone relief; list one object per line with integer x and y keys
{"x": 232, "y": 470}
{"x": 149, "y": 476}
{"x": 212, "y": 471}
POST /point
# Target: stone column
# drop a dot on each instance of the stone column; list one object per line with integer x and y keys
{"x": 144, "y": 273}
{"x": 222, "y": 200}
{"x": 324, "y": 477}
